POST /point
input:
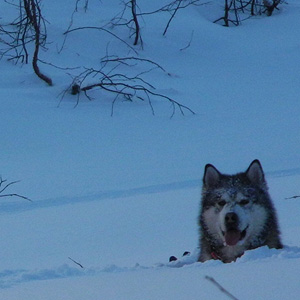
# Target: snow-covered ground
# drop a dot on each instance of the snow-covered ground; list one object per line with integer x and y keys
{"x": 120, "y": 194}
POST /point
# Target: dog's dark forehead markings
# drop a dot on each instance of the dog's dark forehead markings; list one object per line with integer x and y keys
{"x": 234, "y": 180}
{"x": 213, "y": 195}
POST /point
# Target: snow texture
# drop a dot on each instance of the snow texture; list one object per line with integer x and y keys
{"x": 114, "y": 196}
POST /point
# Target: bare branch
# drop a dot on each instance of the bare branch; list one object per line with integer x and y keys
{"x": 33, "y": 12}
{"x": 135, "y": 21}
{"x": 173, "y": 15}
{"x": 172, "y": 6}
{"x": 123, "y": 59}
{"x": 130, "y": 91}
{"x": 123, "y": 86}
{"x": 233, "y": 9}
{"x": 132, "y": 23}
{"x": 7, "y": 185}
{"x": 31, "y": 28}
{"x": 4, "y": 186}
{"x": 105, "y": 30}
{"x": 16, "y": 195}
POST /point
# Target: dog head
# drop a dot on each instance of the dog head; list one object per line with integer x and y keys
{"x": 233, "y": 209}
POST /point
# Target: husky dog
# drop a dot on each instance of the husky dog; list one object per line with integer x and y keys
{"x": 236, "y": 215}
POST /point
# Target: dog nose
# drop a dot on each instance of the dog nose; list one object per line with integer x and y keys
{"x": 231, "y": 219}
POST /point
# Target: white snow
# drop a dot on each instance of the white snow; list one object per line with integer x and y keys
{"x": 120, "y": 194}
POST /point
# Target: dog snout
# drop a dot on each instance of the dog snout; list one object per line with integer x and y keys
{"x": 231, "y": 220}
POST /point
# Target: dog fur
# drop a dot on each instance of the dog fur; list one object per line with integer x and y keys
{"x": 236, "y": 214}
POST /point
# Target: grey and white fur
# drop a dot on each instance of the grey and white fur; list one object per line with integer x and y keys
{"x": 237, "y": 214}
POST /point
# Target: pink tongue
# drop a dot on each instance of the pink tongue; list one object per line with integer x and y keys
{"x": 232, "y": 237}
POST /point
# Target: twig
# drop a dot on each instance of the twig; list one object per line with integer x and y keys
{"x": 190, "y": 41}
{"x": 170, "y": 7}
{"x": 58, "y": 67}
{"x": 173, "y": 15}
{"x": 236, "y": 7}
{"x": 7, "y": 185}
{"x": 16, "y": 195}
{"x": 293, "y": 197}
{"x": 10, "y": 194}
{"x": 220, "y": 287}
{"x": 102, "y": 29}
{"x": 120, "y": 89}
{"x": 122, "y": 59}
{"x": 122, "y": 86}
{"x": 75, "y": 262}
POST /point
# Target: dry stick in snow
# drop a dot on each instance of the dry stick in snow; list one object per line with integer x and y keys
{"x": 75, "y": 262}
{"x": 222, "y": 289}
{"x": 293, "y": 197}
{"x": 189, "y": 44}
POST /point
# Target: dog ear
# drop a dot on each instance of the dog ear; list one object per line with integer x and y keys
{"x": 211, "y": 176}
{"x": 255, "y": 173}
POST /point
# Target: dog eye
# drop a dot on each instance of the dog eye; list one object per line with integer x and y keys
{"x": 250, "y": 191}
{"x": 244, "y": 202}
{"x": 221, "y": 203}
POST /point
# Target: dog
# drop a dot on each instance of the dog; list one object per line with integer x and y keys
{"x": 236, "y": 215}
